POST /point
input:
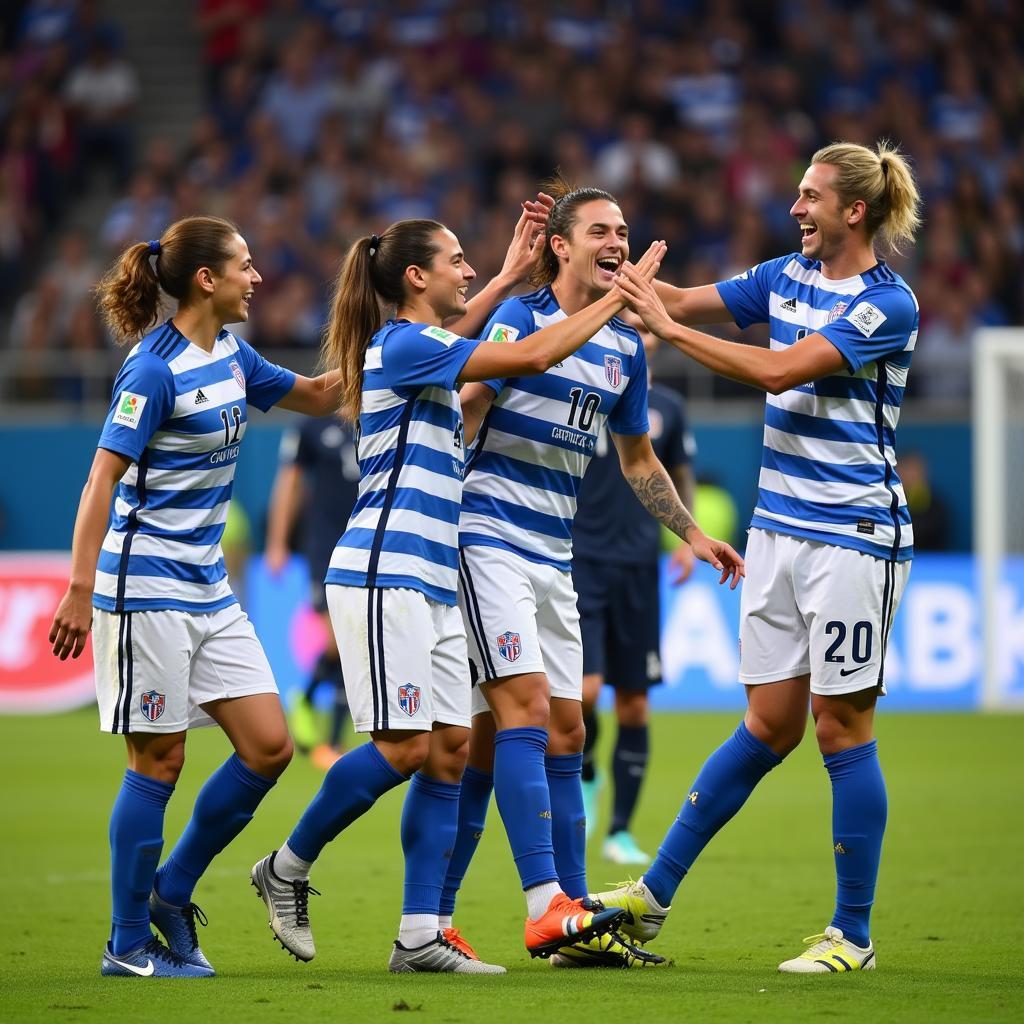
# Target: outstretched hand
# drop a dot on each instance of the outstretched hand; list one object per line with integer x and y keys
{"x": 526, "y": 248}
{"x": 720, "y": 555}
{"x": 643, "y": 299}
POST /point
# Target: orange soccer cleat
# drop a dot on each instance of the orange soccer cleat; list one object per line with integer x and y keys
{"x": 572, "y": 920}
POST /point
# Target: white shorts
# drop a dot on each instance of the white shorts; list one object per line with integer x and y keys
{"x": 155, "y": 669}
{"x": 403, "y": 658}
{"x": 810, "y": 607}
{"x": 521, "y": 617}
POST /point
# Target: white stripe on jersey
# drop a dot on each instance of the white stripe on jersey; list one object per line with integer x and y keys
{"x": 168, "y": 441}
{"x": 838, "y": 453}
{"x": 171, "y": 592}
{"x": 856, "y": 410}
{"x": 177, "y": 520}
{"x": 831, "y": 491}
{"x": 150, "y": 546}
{"x": 403, "y": 520}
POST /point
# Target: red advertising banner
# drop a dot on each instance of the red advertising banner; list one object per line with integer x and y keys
{"x": 32, "y": 680}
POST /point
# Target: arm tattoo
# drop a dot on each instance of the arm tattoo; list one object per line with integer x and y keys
{"x": 658, "y": 495}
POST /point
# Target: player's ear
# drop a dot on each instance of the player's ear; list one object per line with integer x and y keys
{"x": 560, "y": 246}
{"x": 858, "y": 209}
{"x": 204, "y": 280}
{"x": 415, "y": 278}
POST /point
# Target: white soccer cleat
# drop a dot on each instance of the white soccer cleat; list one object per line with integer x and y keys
{"x": 439, "y": 956}
{"x": 830, "y": 953}
{"x": 288, "y": 903}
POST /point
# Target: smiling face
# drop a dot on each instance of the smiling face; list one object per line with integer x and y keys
{"x": 233, "y": 287}
{"x": 446, "y": 281}
{"x": 825, "y": 224}
{"x": 596, "y": 246}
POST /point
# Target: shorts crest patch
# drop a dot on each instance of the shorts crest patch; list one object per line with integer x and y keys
{"x": 510, "y": 646}
{"x": 409, "y": 698}
{"x": 152, "y": 704}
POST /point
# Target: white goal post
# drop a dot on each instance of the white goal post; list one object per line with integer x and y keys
{"x": 998, "y": 426}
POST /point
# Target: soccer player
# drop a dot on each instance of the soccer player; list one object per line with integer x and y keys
{"x": 172, "y": 648}
{"x": 391, "y": 585}
{"x": 831, "y": 540}
{"x": 317, "y": 481}
{"x": 615, "y": 552}
{"x": 515, "y": 536}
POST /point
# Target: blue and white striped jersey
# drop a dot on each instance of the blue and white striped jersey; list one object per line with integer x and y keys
{"x": 828, "y": 465}
{"x": 540, "y": 433}
{"x": 404, "y": 529}
{"x": 179, "y": 413}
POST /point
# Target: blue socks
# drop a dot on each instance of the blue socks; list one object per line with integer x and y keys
{"x": 352, "y": 786}
{"x": 721, "y": 788}
{"x": 474, "y": 796}
{"x": 521, "y": 790}
{"x": 859, "y": 809}
{"x": 568, "y": 821}
{"x": 225, "y": 805}
{"x": 136, "y": 839}
{"x": 629, "y": 765}
{"x": 430, "y": 821}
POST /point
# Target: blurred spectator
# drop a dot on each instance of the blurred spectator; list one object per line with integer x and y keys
{"x": 102, "y": 94}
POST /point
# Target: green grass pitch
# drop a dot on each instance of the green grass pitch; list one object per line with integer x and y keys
{"x": 948, "y": 926}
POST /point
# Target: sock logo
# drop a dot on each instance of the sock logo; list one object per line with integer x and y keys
{"x": 693, "y": 797}
{"x": 544, "y": 814}
{"x": 839, "y": 848}
{"x": 153, "y": 704}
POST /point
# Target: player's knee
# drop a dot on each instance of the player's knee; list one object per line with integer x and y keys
{"x": 274, "y": 757}
{"x": 566, "y": 737}
{"x": 832, "y": 733}
{"x": 408, "y": 756}
{"x": 782, "y": 735}
{"x": 161, "y": 763}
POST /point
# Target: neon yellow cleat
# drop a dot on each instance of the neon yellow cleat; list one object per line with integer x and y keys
{"x": 830, "y": 953}
{"x": 644, "y": 915}
{"x": 606, "y": 951}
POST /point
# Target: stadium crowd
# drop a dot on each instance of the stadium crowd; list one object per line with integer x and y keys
{"x": 325, "y": 120}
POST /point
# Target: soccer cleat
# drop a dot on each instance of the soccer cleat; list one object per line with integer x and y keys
{"x": 621, "y": 848}
{"x": 288, "y": 903}
{"x": 644, "y": 915}
{"x": 439, "y": 956}
{"x": 606, "y": 951}
{"x": 150, "y": 960}
{"x": 830, "y": 953}
{"x": 575, "y": 920}
{"x": 303, "y": 724}
{"x": 591, "y": 789}
{"x": 178, "y": 927}
{"x": 455, "y": 938}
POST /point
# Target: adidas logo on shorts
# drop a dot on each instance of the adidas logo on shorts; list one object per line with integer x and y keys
{"x": 200, "y": 397}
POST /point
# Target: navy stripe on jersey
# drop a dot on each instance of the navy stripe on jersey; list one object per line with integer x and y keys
{"x": 894, "y": 504}
{"x": 131, "y": 528}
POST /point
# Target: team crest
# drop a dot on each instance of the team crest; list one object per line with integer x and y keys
{"x": 510, "y": 646}
{"x": 836, "y": 311}
{"x": 613, "y": 370}
{"x": 153, "y": 704}
{"x": 409, "y": 698}
{"x": 236, "y": 372}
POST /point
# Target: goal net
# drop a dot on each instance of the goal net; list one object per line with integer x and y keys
{"x": 998, "y": 421}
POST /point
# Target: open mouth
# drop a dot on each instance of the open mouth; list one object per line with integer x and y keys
{"x": 808, "y": 232}
{"x": 609, "y": 264}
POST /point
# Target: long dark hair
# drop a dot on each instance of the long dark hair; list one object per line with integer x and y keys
{"x": 129, "y": 293}
{"x": 561, "y": 221}
{"x": 365, "y": 282}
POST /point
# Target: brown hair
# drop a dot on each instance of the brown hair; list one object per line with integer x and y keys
{"x": 883, "y": 179}
{"x": 561, "y": 221}
{"x": 129, "y": 293}
{"x": 366, "y": 281}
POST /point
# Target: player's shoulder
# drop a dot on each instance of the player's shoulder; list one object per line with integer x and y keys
{"x": 151, "y": 355}
{"x": 885, "y": 295}
{"x": 619, "y": 326}
{"x": 792, "y": 265}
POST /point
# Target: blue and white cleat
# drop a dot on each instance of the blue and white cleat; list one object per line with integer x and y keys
{"x": 178, "y": 927}
{"x": 150, "y": 960}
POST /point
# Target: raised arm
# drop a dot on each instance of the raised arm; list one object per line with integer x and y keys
{"x": 539, "y": 352}
{"x": 314, "y": 396}
{"x": 73, "y": 618}
{"x": 701, "y": 305}
{"x": 657, "y": 493}
{"x": 809, "y": 359}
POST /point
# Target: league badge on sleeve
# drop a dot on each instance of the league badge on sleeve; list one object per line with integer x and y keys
{"x": 613, "y": 370}
{"x": 409, "y": 698}
{"x": 153, "y": 704}
{"x": 129, "y": 409}
{"x": 510, "y": 646}
{"x": 503, "y": 333}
